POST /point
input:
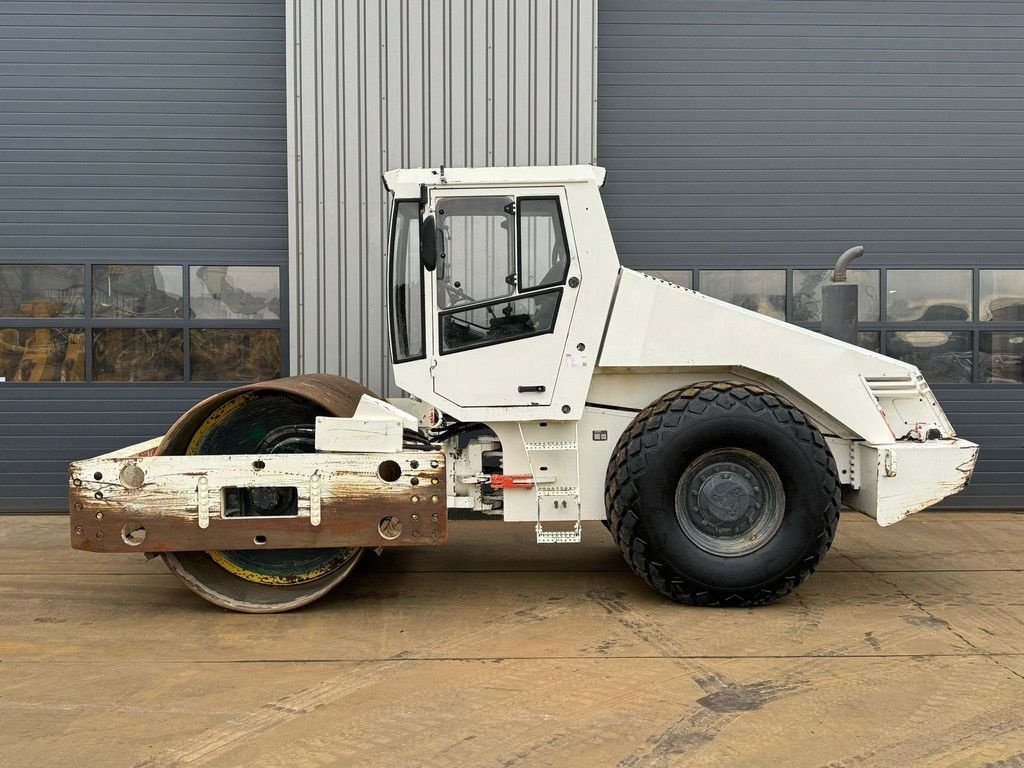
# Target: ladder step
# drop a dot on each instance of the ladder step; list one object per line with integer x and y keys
{"x": 558, "y": 491}
{"x": 575, "y": 536}
{"x": 551, "y": 446}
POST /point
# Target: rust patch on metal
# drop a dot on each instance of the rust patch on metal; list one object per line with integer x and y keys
{"x": 353, "y": 502}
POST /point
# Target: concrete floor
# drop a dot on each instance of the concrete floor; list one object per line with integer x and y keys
{"x": 906, "y": 649}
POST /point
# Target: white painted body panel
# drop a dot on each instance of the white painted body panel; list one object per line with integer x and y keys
{"x": 629, "y": 338}
{"x": 658, "y": 325}
{"x": 903, "y": 478}
{"x": 376, "y": 427}
{"x": 337, "y": 435}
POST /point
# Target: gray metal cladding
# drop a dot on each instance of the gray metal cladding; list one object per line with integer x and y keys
{"x": 135, "y": 132}
{"x": 783, "y": 132}
{"x": 777, "y": 134}
{"x": 43, "y": 427}
{"x": 413, "y": 83}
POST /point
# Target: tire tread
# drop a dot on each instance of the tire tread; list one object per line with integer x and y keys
{"x": 647, "y": 432}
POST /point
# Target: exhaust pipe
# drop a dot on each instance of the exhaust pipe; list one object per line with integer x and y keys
{"x": 839, "y": 301}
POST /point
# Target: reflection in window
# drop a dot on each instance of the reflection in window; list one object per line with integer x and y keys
{"x": 944, "y": 357}
{"x": 501, "y": 321}
{"x": 1001, "y": 357}
{"x": 761, "y": 290}
{"x": 807, "y": 285}
{"x": 683, "y": 277}
{"x": 1002, "y": 295}
{"x": 477, "y": 258}
{"x": 138, "y": 354}
{"x": 929, "y": 294}
{"x": 42, "y": 354}
{"x": 235, "y": 293}
{"x": 138, "y": 292}
{"x": 542, "y": 249}
{"x": 870, "y": 340}
{"x": 42, "y": 290}
{"x": 234, "y": 354}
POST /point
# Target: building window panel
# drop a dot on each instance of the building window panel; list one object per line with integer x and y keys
{"x": 760, "y": 290}
{"x": 235, "y": 293}
{"x": 929, "y": 295}
{"x": 871, "y": 340}
{"x": 136, "y": 292}
{"x": 806, "y": 296}
{"x": 1001, "y": 357}
{"x": 683, "y": 277}
{"x": 1002, "y": 295}
{"x": 42, "y": 354}
{"x": 234, "y": 354}
{"x": 138, "y": 354}
{"x": 42, "y": 290}
{"x": 944, "y": 357}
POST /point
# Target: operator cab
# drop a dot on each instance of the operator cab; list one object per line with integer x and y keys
{"x": 472, "y": 272}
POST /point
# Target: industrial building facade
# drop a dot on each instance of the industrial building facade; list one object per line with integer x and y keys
{"x": 190, "y": 192}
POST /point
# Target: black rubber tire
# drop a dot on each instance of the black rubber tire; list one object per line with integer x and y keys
{"x": 665, "y": 438}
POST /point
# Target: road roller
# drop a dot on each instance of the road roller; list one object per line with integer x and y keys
{"x": 546, "y": 384}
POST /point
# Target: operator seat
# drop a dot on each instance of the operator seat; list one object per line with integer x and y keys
{"x": 547, "y": 305}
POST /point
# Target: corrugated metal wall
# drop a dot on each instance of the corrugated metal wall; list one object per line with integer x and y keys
{"x": 412, "y": 83}
{"x": 134, "y": 132}
{"x": 776, "y": 134}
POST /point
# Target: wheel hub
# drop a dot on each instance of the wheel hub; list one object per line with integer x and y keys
{"x": 730, "y": 502}
{"x": 728, "y": 498}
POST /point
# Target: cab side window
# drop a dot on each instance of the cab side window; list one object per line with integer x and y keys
{"x": 407, "y": 326}
{"x": 477, "y": 257}
{"x": 543, "y": 258}
{"x": 500, "y": 271}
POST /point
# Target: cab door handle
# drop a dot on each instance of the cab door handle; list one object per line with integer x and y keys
{"x": 534, "y": 388}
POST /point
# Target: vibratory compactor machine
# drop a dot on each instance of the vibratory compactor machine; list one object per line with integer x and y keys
{"x": 548, "y": 385}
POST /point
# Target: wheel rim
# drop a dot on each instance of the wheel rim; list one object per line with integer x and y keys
{"x": 730, "y": 502}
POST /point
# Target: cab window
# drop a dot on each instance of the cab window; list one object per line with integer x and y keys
{"x": 500, "y": 270}
{"x": 407, "y": 322}
{"x": 477, "y": 259}
{"x": 543, "y": 259}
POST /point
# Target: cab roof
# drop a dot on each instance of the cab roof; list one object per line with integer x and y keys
{"x": 405, "y": 182}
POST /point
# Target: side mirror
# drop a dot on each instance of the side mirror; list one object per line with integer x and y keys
{"x": 428, "y": 244}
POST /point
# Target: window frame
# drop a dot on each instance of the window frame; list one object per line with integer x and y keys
{"x": 393, "y": 326}
{"x": 90, "y": 323}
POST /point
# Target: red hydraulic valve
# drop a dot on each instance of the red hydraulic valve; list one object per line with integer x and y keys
{"x": 511, "y": 481}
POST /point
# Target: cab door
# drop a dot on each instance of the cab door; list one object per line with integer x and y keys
{"x": 504, "y": 296}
